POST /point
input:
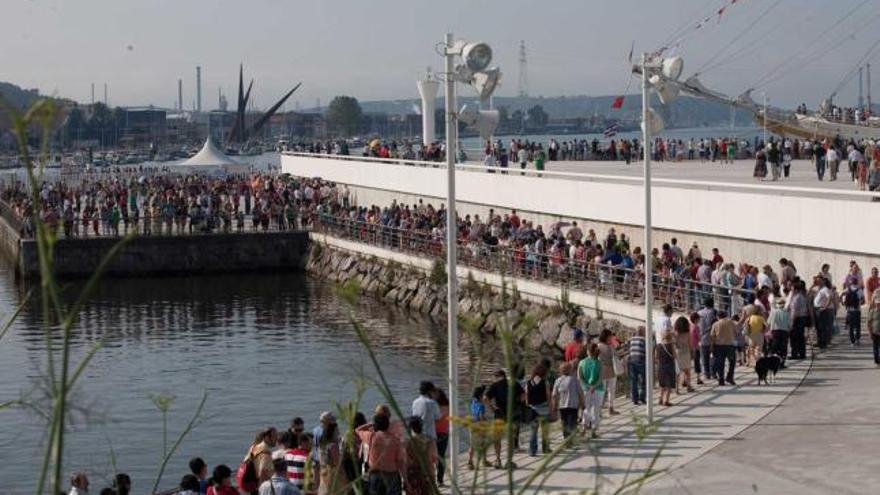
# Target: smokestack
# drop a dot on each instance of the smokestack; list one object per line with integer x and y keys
{"x": 198, "y": 88}
{"x": 93, "y": 94}
{"x": 180, "y": 94}
{"x": 105, "y": 95}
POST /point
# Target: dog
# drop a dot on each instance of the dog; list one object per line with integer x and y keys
{"x": 767, "y": 365}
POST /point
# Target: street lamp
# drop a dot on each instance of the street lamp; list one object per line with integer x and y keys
{"x": 662, "y": 75}
{"x": 476, "y": 72}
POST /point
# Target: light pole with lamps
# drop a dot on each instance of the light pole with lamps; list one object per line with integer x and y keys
{"x": 476, "y": 72}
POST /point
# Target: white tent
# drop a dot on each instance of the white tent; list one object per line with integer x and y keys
{"x": 209, "y": 156}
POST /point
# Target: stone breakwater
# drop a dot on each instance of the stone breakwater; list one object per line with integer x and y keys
{"x": 544, "y": 328}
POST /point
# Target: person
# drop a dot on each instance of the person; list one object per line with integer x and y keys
{"x": 332, "y": 479}
{"x": 683, "y": 354}
{"x": 665, "y": 357}
{"x": 760, "y": 165}
{"x": 278, "y": 484}
{"x": 189, "y": 485}
{"x": 833, "y": 161}
{"x": 497, "y": 396}
{"x": 325, "y": 419}
{"x": 779, "y": 323}
{"x": 799, "y": 312}
{"x": 122, "y": 484}
{"x": 79, "y": 484}
{"x": 872, "y": 283}
{"x": 852, "y": 301}
{"x": 708, "y": 317}
{"x": 721, "y": 338}
{"x": 756, "y": 326}
{"x": 874, "y": 325}
{"x": 385, "y": 458}
{"x": 824, "y": 304}
{"x": 538, "y": 399}
{"x": 199, "y": 468}
{"x": 522, "y": 157}
{"x": 607, "y": 355}
{"x": 636, "y": 366}
{"x": 573, "y": 348}
{"x": 261, "y": 453}
{"x": 540, "y": 158}
{"x": 221, "y": 481}
{"x": 296, "y": 458}
{"x": 590, "y": 377}
{"x": 479, "y": 417}
{"x": 426, "y": 408}
{"x": 694, "y": 319}
{"x": 442, "y": 428}
{"x": 567, "y": 399}
{"x": 421, "y": 459}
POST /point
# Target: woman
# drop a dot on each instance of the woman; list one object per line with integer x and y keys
{"x": 609, "y": 378}
{"x": 683, "y": 352}
{"x": 189, "y": 485}
{"x": 479, "y": 419}
{"x": 590, "y": 377}
{"x": 538, "y": 398}
{"x": 330, "y": 459}
{"x": 874, "y": 324}
{"x": 666, "y": 365}
{"x": 695, "y": 344}
{"x": 567, "y": 398}
{"x": 221, "y": 482}
{"x": 261, "y": 453}
{"x": 442, "y": 428}
{"x": 760, "y": 165}
{"x": 421, "y": 457}
{"x": 756, "y": 326}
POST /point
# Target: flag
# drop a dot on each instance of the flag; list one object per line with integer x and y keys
{"x": 629, "y": 59}
{"x": 611, "y": 130}
{"x": 618, "y": 103}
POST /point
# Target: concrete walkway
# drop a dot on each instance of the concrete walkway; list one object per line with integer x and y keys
{"x": 822, "y": 439}
{"x": 691, "y": 428}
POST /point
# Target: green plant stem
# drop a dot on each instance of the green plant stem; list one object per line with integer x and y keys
{"x": 186, "y": 431}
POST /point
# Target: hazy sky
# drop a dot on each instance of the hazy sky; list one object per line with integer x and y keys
{"x": 375, "y": 49}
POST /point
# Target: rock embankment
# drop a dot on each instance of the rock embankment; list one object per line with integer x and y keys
{"x": 544, "y": 328}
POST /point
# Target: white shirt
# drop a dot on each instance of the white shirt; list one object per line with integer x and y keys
{"x": 427, "y": 409}
{"x": 831, "y": 155}
{"x": 823, "y": 297}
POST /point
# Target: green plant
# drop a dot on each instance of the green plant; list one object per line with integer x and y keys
{"x": 438, "y": 274}
{"x": 163, "y": 403}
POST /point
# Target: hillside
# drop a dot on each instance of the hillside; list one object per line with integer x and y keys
{"x": 18, "y": 97}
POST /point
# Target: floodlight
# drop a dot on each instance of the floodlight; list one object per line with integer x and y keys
{"x": 485, "y": 121}
{"x": 486, "y": 81}
{"x": 477, "y": 56}
{"x": 667, "y": 92}
{"x": 672, "y": 67}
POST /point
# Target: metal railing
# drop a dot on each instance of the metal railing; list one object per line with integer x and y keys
{"x": 617, "y": 282}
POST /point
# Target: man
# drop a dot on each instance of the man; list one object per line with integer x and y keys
{"x": 833, "y": 161}
{"x": 722, "y": 338}
{"x": 79, "y": 484}
{"x": 573, "y": 348}
{"x": 789, "y": 272}
{"x": 296, "y": 459}
{"x": 326, "y": 419}
{"x": 799, "y": 313}
{"x": 199, "y": 468}
{"x": 676, "y": 251}
{"x": 279, "y": 484}
{"x": 779, "y": 323}
{"x": 874, "y": 325}
{"x": 663, "y": 324}
{"x": 707, "y": 319}
{"x": 824, "y": 304}
{"x": 523, "y": 157}
{"x": 637, "y": 366}
{"x": 426, "y": 408}
{"x": 496, "y": 394}
{"x": 871, "y": 285}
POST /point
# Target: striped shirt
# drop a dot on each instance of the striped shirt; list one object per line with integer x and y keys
{"x": 637, "y": 350}
{"x": 296, "y": 466}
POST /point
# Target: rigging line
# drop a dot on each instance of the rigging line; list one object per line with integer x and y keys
{"x": 693, "y": 26}
{"x": 763, "y": 15}
{"x": 684, "y": 27}
{"x": 847, "y": 37}
{"x": 852, "y": 72}
{"x": 809, "y": 46}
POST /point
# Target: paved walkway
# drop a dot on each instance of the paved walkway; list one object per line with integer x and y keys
{"x": 812, "y": 431}
{"x": 695, "y": 424}
{"x": 822, "y": 439}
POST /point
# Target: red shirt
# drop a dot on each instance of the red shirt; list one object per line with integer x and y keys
{"x": 572, "y": 349}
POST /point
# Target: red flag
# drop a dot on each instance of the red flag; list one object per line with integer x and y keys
{"x": 618, "y": 103}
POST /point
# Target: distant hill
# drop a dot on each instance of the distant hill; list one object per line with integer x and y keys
{"x": 683, "y": 112}
{"x": 18, "y": 97}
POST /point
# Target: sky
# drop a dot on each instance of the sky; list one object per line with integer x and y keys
{"x": 376, "y": 49}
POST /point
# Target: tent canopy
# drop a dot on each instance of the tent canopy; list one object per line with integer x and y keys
{"x": 209, "y": 156}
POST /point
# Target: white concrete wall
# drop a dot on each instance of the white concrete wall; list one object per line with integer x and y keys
{"x": 747, "y": 226}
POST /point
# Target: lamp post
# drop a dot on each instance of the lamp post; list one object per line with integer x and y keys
{"x": 476, "y": 72}
{"x": 764, "y": 94}
{"x": 649, "y": 263}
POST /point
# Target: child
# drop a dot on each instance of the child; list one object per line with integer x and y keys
{"x": 480, "y": 422}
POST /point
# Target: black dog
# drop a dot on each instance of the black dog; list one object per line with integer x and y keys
{"x": 766, "y": 365}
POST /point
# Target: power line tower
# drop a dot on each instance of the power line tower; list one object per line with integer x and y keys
{"x": 523, "y": 85}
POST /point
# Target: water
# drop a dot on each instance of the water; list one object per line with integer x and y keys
{"x": 266, "y": 348}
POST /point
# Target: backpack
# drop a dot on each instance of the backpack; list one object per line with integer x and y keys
{"x": 852, "y": 298}
{"x": 246, "y": 476}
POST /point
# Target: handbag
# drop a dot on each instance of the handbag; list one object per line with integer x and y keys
{"x": 246, "y": 475}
